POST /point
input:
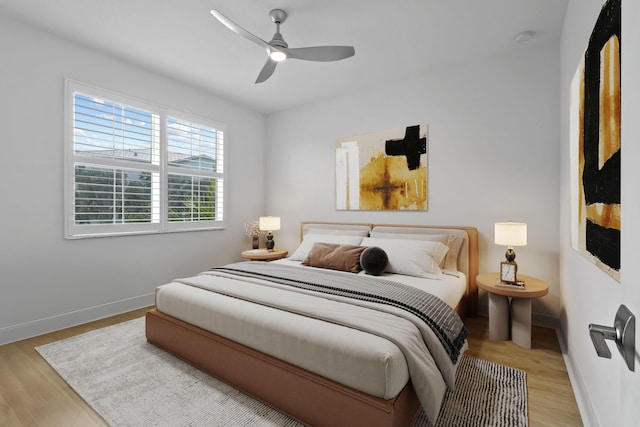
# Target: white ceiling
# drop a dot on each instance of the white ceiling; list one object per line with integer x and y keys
{"x": 392, "y": 40}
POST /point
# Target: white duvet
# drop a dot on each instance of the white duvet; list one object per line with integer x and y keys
{"x": 355, "y": 356}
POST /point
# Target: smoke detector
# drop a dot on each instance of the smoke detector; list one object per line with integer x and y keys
{"x": 524, "y": 36}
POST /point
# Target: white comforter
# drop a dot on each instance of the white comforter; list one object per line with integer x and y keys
{"x": 430, "y": 368}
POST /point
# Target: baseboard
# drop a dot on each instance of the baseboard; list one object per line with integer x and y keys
{"x": 536, "y": 319}
{"x": 589, "y": 418}
{"x": 545, "y": 321}
{"x": 34, "y": 328}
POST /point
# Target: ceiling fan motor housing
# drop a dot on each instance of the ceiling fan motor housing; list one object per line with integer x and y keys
{"x": 278, "y": 41}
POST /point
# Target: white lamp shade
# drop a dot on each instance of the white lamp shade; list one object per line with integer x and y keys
{"x": 269, "y": 223}
{"x": 511, "y": 233}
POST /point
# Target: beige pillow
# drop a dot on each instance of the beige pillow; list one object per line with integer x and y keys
{"x": 335, "y": 257}
{"x": 310, "y": 239}
{"x": 360, "y": 231}
{"x": 419, "y": 258}
{"x": 451, "y": 261}
{"x": 453, "y": 242}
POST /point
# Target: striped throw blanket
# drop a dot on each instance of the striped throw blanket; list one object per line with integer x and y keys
{"x": 442, "y": 319}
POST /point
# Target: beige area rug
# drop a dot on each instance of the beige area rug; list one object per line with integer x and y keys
{"x": 130, "y": 382}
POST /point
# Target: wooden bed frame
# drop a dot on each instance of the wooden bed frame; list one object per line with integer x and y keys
{"x": 305, "y": 396}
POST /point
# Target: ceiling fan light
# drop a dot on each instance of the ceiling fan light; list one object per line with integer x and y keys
{"x": 278, "y": 56}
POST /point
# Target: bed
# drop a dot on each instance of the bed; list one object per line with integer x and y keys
{"x": 338, "y": 364}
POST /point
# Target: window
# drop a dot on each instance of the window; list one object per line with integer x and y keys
{"x": 133, "y": 167}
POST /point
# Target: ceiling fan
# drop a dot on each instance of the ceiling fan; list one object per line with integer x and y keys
{"x": 278, "y": 50}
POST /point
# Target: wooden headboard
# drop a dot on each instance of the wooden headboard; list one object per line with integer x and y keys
{"x": 467, "y": 260}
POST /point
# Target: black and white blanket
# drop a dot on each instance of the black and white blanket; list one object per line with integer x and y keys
{"x": 441, "y": 318}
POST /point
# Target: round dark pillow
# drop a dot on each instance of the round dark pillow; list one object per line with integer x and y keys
{"x": 374, "y": 260}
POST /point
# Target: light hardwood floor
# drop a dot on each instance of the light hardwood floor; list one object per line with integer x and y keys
{"x": 551, "y": 399}
{"x": 32, "y": 394}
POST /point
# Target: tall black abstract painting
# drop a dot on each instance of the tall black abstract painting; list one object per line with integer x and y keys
{"x": 595, "y": 136}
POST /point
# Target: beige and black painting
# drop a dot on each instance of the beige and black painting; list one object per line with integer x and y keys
{"x": 383, "y": 170}
{"x": 596, "y": 143}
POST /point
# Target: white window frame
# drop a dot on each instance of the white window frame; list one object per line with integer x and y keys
{"x": 161, "y": 170}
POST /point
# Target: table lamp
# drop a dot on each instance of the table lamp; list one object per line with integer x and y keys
{"x": 510, "y": 234}
{"x": 269, "y": 224}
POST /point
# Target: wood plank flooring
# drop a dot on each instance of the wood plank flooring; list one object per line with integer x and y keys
{"x": 32, "y": 394}
{"x": 551, "y": 399}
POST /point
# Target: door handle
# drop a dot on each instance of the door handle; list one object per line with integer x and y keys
{"x": 623, "y": 333}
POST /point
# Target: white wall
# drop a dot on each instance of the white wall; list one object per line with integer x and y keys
{"x": 493, "y": 156}
{"x": 46, "y": 282}
{"x": 494, "y": 131}
{"x": 589, "y": 295}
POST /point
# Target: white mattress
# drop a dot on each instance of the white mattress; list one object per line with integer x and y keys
{"x": 354, "y": 358}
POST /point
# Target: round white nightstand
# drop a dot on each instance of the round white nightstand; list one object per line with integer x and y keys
{"x": 519, "y": 307}
{"x": 264, "y": 254}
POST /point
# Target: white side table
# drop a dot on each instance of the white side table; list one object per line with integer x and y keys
{"x": 506, "y": 303}
{"x": 264, "y": 254}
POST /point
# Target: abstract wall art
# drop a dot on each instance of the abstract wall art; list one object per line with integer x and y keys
{"x": 383, "y": 170}
{"x": 595, "y": 144}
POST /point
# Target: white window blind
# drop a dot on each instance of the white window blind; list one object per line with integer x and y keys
{"x": 195, "y": 184}
{"x": 112, "y": 196}
{"x": 133, "y": 167}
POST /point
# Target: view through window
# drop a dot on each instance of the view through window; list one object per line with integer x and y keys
{"x": 139, "y": 168}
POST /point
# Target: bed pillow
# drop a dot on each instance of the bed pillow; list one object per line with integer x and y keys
{"x": 374, "y": 260}
{"x": 453, "y": 242}
{"x": 436, "y": 249}
{"x": 451, "y": 260}
{"x": 335, "y": 257}
{"x": 442, "y": 238}
{"x": 411, "y": 257}
{"x": 311, "y": 238}
{"x": 362, "y": 232}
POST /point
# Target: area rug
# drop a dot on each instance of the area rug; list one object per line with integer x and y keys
{"x": 130, "y": 382}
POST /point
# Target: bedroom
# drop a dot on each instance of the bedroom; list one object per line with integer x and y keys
{"x": 491, "y": 117}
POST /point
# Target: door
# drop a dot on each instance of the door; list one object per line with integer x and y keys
{"x": 630, "y": 198}
{"x": 630, "y": 276}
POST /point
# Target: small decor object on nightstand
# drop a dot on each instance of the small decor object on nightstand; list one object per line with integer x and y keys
{"x": 269, "y": 224}
{"x": 510, "y": 234}
{"x": 252, "y": 229}
{"x": 508, "y": 271}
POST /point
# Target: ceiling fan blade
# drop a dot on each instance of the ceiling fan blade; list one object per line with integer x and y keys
{"x": 321, "y": 53}
{"x": 267, "y": 70}
{"x": 238, "y": 29}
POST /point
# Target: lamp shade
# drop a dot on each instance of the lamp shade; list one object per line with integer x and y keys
{"x": 269, "y": 223}
{"x": 511, "y": 233}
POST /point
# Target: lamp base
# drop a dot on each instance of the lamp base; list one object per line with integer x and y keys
{"x": 270, "y": 243}
{"x": 510, "y": 254}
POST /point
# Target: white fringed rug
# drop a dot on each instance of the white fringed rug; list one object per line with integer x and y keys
{"x": 130, "y": 382}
